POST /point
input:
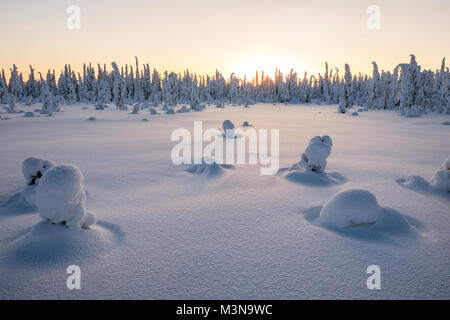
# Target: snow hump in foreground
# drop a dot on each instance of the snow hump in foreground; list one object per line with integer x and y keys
{"x": 61, "y": 198}
{"x": 357, "y": 213}
{"x": 209, "y": 167}
{"x": 350, "y": 208}
{"x": 439, "y": 183}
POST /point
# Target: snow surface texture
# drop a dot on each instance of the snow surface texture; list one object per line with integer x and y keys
{"x": 438, "y": 183}
{"x": 61, "y": 197}
{"x": 241, "y": 236}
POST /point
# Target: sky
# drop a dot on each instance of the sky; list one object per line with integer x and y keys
{"x": 239, "y": 36}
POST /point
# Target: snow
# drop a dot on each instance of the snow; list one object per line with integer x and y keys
{"x": 209, "y": 167}
{"x": 34, "y": 168}
{"x": 61, "y": 197}
{"x": 438, "y": 183}
{"x": 164, "y": 233}
{"x": 316, "y": 154}
{"x": 350, "y": 208}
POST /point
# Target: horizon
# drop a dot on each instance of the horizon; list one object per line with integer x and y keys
{"x": 241, "y": 38}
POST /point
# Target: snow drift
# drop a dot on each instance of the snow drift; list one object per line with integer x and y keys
{"x": 439, "y": 182}
{"x": 209, "y": 167}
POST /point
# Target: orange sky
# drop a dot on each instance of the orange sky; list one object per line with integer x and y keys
{"x": 232, "y": 36}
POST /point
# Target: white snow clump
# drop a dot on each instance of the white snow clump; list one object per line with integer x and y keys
{"x": 61, "y": 197}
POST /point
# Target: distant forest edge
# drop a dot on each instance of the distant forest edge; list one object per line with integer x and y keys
{"x": 408, "y": 89}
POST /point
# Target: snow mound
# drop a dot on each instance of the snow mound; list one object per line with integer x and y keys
{"x": 152, "y": 111}
{"x": 61, "y": 198}
{"x": 34, "y": 168}
{"x": 22, "y": 202}
{"x": 310, "y": 170}
{"x": 315, "y": 156}
{"x": 47, "y": 244}
{"x": 355, "y": 114}
{"x": 446, "y": 123}
{"x": 350, "y": 208}
{"x": 439, "y": 182}
{"x": 28, "y": 114}
{"x": 208, "y": 167}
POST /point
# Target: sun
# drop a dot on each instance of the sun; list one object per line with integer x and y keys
{"x": 250, "y": 64}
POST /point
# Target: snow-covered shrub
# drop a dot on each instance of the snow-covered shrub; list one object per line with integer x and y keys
{"x": 245, "y": 124}
{"x": 61, "y": 197}
{"x": 92, "y": 118}
{"x": 170, "y": 111}
{"x": 34, "y": 168}
{"x": 315, "y": 156}
{"x": 441, "y": 178}
{"x": 440, "y": 181}
{"x": 350, "y": 208}
{"x": 412, "y": 112}
{"x": 228, "y": 128}
{"x": 11, "y": 104}
{"x": 99, "y": 106}
{"x": 220, "y": 104}
{"x": 355, "y": 113}
{"x": 199, "y": 107}
{"x": 446, "y": 123}
{"x": 136, "y": 109}
{"x": 183, "y": 109}
{"x": 152, "y": 111}
{"x": 208, "y": 167}
{"x": 28, "y": 114}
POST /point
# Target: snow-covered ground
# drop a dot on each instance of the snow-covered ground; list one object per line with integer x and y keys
{"x": 165, "y": 233}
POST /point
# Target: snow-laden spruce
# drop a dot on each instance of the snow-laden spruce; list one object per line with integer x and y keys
{"x": 34, "y": 168}
{"x": 408, "y": 88}
{"x": 61, "y": 198}
{"x": 315, "y": 156}
{"x": 350, "y": 208}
